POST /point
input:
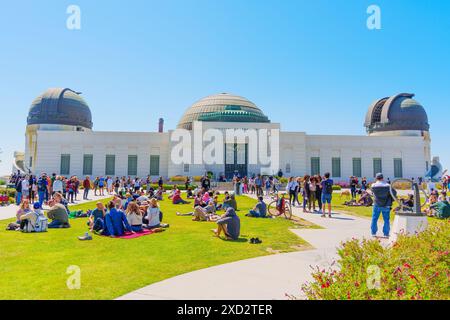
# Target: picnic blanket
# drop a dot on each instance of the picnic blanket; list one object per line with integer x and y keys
{"x": 129, "y": 235}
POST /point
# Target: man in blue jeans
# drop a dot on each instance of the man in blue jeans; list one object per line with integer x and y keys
{"x": 382, "y": 205}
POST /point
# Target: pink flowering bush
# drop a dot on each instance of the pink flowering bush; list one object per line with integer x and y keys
{"x": 415, "y": 268}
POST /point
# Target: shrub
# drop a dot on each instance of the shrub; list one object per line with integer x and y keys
{"x": 10, "y": 192}
{"x": 336, "y": 187}
{"x": 415, "y": 267}
{"x": 177, "y": 178}
{"x": 2, "y": 182}
{"x": 167, "y": 187}
{"x": 283, "y": 180}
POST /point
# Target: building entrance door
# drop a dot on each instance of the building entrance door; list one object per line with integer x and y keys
{"x": 236, "y": 160}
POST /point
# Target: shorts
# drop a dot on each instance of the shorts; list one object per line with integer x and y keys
{"x": 326, "y": 198}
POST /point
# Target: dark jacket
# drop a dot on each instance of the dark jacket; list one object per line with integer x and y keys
{"x": 382, "y": 194}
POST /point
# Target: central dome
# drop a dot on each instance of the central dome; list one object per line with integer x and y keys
{"x": 222, "y": 107}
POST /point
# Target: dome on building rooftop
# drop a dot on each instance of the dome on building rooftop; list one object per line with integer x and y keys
{"x": 397, "y": 113}
{"x": 62, "y": 107}
{"x": 223, "y": 107}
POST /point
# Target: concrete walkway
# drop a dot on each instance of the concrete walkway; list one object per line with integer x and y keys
{"x": 269, "y": 277}
{"x": 10, "y": 211}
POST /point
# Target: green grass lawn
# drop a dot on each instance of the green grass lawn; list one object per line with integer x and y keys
{"x": 33, "y": 266}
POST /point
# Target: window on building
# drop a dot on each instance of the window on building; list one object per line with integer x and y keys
{"x": 398, "y": 168}
{"x": 132, "y": 165}
{"x": 186, "y": 168}
{"x": 30, "y": 164}
{"x": 88, "y": 160}
{"x": 110, "y": 165}
{"x": 377, "y": 168}
{"x": 336, "y": 167}
{"x": 288, "y": 168}
{"x": 65, "y": 164}
{"x": 154, "y": 165}
{"x": 427, "y": 166}
{"x": 315, "y": 165}
{"x": 357, "y": 172}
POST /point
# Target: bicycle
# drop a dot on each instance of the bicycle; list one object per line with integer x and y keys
{"x": 275, "y": 211}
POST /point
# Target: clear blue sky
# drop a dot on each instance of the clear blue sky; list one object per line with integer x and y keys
{"x": 311, "y": 65}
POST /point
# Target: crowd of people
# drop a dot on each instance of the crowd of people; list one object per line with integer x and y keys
{"x": 135, "y": 206}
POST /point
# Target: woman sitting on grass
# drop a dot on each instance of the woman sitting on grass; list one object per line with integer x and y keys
{"x": 23, "y": 209}
{"x": 116, "y": 222}
{"x": 134, "y": 217}
{"x": 176, "y": 197}
{"x": 229, "y": 224}
{"x": 154, "y": 216}
{"x": 97, "y": 218}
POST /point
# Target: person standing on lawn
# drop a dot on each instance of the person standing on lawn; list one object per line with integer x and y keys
{"x": 382, "y": 204}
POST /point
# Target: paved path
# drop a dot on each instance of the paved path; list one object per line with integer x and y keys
{"x": 269, "y": 277}
{"x": 10, "y": 211}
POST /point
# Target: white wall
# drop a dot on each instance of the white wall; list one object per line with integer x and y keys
{"x": 409, "y": 149}
{"x": 296, "y": 149}
{"x": 51, "y": 144}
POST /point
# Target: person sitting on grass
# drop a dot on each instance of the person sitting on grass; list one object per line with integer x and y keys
{"x": 176, "y": 197}
{"x": 365, "y": 200}
{"x": 134, "y": 217}
{"x": 58, "y": 214}
{"x": 204, "y": 213}
{"x": 159, "y": 193}
{"x": 197, "y": 202}
{"x": 154, "y": 216}
{"x": 229, "y": 224}
{"x": 28, "y": 220}
{"x": 260, "y": 209}
{"x": 23, "y": 209}
{"x": 229, "y": 201}
{"x": 432, "y": 199}
{"x": 216, "y": 203}
{"x": 205, "y": 197}
{"x": 96, "y": 219}
{"x": 142, "y": 197}
{"x": 116, "y": 222}
{"x": 189, "y": 193}
{"x": 441, "y": 209}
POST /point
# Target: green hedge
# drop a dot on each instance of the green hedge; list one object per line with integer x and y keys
{"x": 337, "y": 187}
{"x": 170, "y": 186}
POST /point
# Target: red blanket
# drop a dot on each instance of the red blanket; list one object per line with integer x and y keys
{"x": 129, "y": 235}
